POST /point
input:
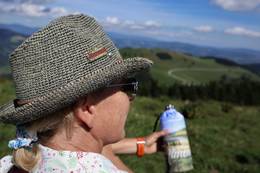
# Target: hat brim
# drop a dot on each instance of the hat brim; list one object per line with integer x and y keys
{"x": 68, "y": 94}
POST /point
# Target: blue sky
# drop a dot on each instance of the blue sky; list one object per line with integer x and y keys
{"x": 218, "y": 23}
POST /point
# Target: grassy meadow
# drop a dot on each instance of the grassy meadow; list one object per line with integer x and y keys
{"x": 171, "y": 67}
{"x": 222, "y": 140}
{"x": 224, "y": 137}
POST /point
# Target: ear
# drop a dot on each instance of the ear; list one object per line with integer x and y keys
{"x": 84, "y": 111}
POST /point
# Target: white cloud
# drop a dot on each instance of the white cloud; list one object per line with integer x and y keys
{"x": 170, "y": 34}
{"x": 242, "y": 31}
{"x": 32, "y": 10}
{"x": 130, "y": 24}
{"x": 28, "y": 1}
{"x": 204, "y": 28}
{"x": 112, "y": 20}
{"x": 137, "y": 27}
{"x": 151, "y": 23}
{"x": 238, "y": 5}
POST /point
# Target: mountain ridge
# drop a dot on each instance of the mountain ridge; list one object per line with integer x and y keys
{"x": 238, "y": 55}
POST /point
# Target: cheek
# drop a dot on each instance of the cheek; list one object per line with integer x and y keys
{"x": 123, "y": 112}
{"x": 120, "y": 104}
{"x": 120, "y": 115}
{"x": 114, "y": 113}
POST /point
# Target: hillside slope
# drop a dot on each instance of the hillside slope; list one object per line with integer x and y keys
{"x": 9, "y": 41}
{"x": 170, "y": 67}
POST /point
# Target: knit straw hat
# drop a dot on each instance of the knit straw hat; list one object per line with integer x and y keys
{"x": 65, "y": 60}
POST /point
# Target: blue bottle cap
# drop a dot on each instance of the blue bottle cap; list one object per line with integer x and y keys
{"x": 170, "y": 113}
{"x": 171, "y": 119}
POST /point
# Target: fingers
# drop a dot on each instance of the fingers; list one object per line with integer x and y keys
{"x": 154, "y": 142}
{"x": 159, "y": 134}
{"x": 162, "y": 133}
{"x": 160, "y": 142}
{"x": 155, "y": 136}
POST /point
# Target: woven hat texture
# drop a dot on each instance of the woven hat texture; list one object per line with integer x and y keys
{"x": 58, "y": 64}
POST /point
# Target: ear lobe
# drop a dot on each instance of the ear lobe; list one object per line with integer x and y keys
{"x": 85, "y": 112}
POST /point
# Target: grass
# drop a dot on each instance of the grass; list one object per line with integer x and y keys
{"x": 5, "y": 70}
{"x": 196, "y": 75}
{"x": 6, "y": 90}
{"x": 220, "y": 141}
{"x": 224, "y": 139}
{"x": 189, "y": 69}
{"x": 6, "y": 131}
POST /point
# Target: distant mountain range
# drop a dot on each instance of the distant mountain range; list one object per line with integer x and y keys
{"x": 25, "y": 30}
{"x": 238, "y": 55}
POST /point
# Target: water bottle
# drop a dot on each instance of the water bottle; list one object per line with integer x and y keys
{"x": 177, "y": 143}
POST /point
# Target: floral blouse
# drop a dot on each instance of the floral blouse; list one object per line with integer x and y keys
{"x": 66, "y": 162}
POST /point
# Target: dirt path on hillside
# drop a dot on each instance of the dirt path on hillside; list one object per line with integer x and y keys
{"x": 186, "y": 80}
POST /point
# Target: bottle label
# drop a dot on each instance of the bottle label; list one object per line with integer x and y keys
{"x": 179, "y": 153}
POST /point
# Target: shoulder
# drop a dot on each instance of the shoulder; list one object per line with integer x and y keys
{"x": 69, "y": 161}
{"x": 6, "y": 164}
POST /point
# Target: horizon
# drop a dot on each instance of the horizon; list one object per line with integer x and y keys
{"x": 155, "y": 39}
{"x": 231, "y": 24}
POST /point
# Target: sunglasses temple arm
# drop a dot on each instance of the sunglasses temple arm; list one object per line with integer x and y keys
{"x": 115, "y": 85}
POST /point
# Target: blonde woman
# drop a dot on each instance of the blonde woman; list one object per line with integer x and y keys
{"x": 73, "y": 94}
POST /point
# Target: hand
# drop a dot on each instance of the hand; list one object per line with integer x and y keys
{"x": 154, "y": 142}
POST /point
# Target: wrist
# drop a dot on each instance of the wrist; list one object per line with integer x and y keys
{"x": 140, "y": 144}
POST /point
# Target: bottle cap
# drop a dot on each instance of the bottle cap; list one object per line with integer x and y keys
{"x": 169, "y": 107}
{"x": 170, "y": 113}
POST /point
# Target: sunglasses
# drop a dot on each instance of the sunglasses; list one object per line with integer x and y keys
{"x": 130, "y": 86}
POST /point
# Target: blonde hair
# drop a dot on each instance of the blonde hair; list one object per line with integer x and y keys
{"x": 45, "y": 128}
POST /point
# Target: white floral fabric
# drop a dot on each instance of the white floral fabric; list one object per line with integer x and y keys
{"x": 67, "y": 162}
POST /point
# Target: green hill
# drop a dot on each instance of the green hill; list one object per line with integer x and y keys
{"x": 171, "y": 67}
{"x": 9, "y": 41}
{"x": 5, "y": 70}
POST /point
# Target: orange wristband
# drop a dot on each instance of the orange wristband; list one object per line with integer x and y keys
{"x": 140, "y": 146}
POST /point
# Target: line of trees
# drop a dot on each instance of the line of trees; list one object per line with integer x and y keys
{"x": 242, "y": 91}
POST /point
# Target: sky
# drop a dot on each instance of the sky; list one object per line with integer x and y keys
{"x": 217, "y": 23}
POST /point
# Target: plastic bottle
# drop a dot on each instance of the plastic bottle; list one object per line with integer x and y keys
{"x": 178, "y": 147}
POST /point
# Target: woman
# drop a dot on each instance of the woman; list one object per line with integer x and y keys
{"x": 73, "y": 93}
